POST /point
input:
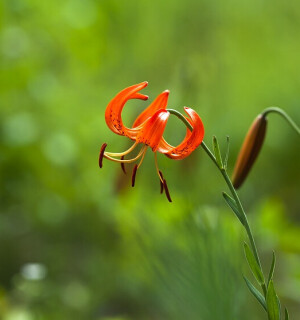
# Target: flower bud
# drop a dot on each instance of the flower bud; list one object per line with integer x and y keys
{"x": 249, "y": 150}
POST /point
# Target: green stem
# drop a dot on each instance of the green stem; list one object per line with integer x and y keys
{"x": 232, "y": 190}
{"x": 245, "y": 221}
{"x": 284, "y": 115}
{"x": 181, "y": 117}
{"x": 239, "y": 206}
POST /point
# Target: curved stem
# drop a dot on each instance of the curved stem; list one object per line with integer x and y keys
{"x": 240, "y": 209}
{"x": 232, "y": 191}
{"x": 237, "y": 200}
{"x": 245, "y": 221}
{"x": 284, "y": 115}
{"x": 181, "y": 117}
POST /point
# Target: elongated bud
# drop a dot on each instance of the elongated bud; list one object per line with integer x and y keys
{"x": 249, "y": 150}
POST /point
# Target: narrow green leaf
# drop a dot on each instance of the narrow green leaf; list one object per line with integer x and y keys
{"x": 217, "y": 152}
{"x": 253, "y": 264}
{"x": 233, "y": 206}
{"x": 286, "y": 314}
{"x": 227, "y": 153}
{"x": 272, "y": 268}
{"x": 273, "y": 304}
{"x": 256, "y": 293}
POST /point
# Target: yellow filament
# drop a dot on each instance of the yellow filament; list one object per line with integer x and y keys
{"x": 157, "y": 169}
{"x": 143, "y": 156}
{"x": 126, "y": 161}
{"x": 120, "y": 154}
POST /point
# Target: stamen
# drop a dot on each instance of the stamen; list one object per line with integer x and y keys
{"x": 113, "y": 154}
{"x": 161, "y": 183}
{"x": 133, "y": 175}
{"x": 157, "y": 169}
{"x": 167, "y": 191}
{"x": 123, "y": 165}
{"x": 102, "y": 154}
{"x": 125, "y": 161}
{"x": 143, "y": 156}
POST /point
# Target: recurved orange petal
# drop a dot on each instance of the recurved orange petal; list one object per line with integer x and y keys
{"x": 114, "y": 109}
{"x": 160, "y": 102}
{"x": 151, "y": 131}
{"x": 191, "y": 141}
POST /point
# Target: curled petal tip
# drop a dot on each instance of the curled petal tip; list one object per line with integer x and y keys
{"x": 140, "y": 86}
{"x": 144, "y": 84}
{"x": 140, "y": 96}
{"x": 191, "y": 141}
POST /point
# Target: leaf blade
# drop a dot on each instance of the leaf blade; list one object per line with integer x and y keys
{"x": 256, "y": 293}
{"x": 286, "y": 314}
{"x": 227, "y": 153}
{"x": 217, "y": 152}
{"x": 232, "y": 204}
{"x": 270, "y": 277}
{"x": 273, "y": 303}
{"x": 253, "y": 265}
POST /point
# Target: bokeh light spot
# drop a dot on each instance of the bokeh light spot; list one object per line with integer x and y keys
{"x": 14, "y": 42}
{"x": 52, "y": 210}
{"x": 75, "y": 295}
{"x": 20, "y": 129}
{"x": 80, "y": 14}
{"x": 43, "y": 87}
{"x": 34, "y": 271}
{"x": 60, "y": 149}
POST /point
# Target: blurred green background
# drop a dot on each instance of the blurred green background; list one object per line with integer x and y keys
{"x": 77, "y": 242}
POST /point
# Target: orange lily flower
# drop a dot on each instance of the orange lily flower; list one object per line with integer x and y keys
{"x": 148, "y": 129}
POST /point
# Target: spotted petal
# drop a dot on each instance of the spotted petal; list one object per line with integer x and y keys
{"x": 151, "y": 130}
{"x": 191, "y": 141}
{"x": 114, "y": 109}
{"x": 160, "y": 102}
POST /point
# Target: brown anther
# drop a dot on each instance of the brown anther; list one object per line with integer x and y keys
{"x": 102, "y": 154}
{"x": 123, "y": 165}
{"x": 167, "y": 191}
{"x": 161, "y": 184}
{"x": 133, "y": 175}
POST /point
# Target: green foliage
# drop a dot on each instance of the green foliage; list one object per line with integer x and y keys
{"x": 260, "y": 298}
{"x": 227, "y": 153}
{"x": 271, "y": 272}
{"x": 273, "y": 304}
{"x": 217, "y": 152}
{"x": 286, "y": 314}
{"x": 253, "y": 265}
{"x": 232, "y": 204}
{"x": 77, "y": 242}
